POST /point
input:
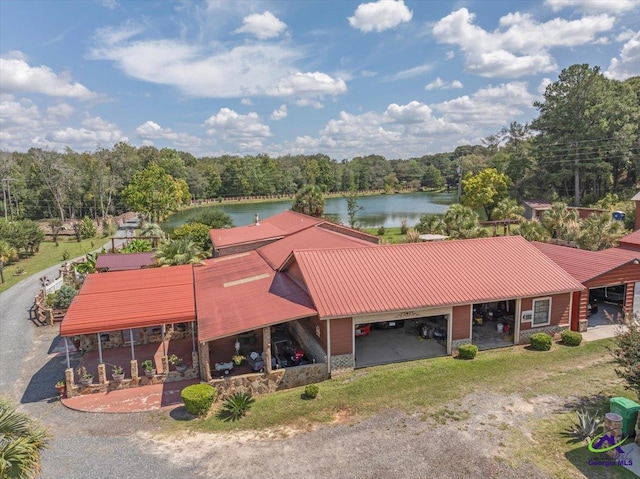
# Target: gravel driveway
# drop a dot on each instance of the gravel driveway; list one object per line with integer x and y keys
{"x": 133, "y": 446}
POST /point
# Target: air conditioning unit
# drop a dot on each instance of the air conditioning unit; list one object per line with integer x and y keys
{"x": 527, "y": 316}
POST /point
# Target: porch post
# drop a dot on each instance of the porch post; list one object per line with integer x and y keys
{"x": 193, "y": 338}
{"x": 164, "y": 347}
{"x": 266, "y": 348}
{"x": 133, "y": 354}
{"x": 66, "y": 350}
{"x": 99, "y": 348}
{"x": 205, "y": 369}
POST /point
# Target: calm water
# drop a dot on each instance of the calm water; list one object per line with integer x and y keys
{"x": 387, "y": 210}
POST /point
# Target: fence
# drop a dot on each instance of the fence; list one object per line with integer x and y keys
{"x": 55, "y": 285}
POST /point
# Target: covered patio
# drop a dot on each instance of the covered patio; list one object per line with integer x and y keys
{"x": 124, "y": 318}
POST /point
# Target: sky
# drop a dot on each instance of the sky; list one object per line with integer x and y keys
{"x": 397, "y": 78}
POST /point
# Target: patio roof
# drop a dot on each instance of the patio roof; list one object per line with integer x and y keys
{"x": 586, "y": 265}
{"x": 131, "y": 299}
{"x": 124, "y": 261}
{"x": 239, "y": 293}
{"x": 631, "y": 240}
{"x": 352, "y": 281}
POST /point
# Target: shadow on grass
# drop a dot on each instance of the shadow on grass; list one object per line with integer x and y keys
{"x": 180, "y": 414}
{"x": 226, "y": 416}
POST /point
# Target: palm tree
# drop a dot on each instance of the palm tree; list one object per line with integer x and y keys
{"x": 88, "y": 265}
{"x": 532, "y": 230}
{"x": 463, "y": 222}
{"x": 21, "y": 443}
{"x": 309, "y": 201}
{"x": 557, "y": 219}
{"x": 507, "y": 209}
{"x": 179, "y": 251}
{"x": 7, "y": 252}
{"x": 600, "y": 231}
{"x": 432, "y": 224}
{"x": 153, "y": 231}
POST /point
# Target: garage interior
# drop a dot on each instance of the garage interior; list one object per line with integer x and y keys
{"x": 493, "y": 324}
{"x": 402, "y": 342}
{"x": 605, "y": 305}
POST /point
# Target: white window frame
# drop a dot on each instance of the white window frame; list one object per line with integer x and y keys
{"x": 533, "y": 308}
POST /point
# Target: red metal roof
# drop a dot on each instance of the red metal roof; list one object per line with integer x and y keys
{"x": 631, "y": 240}
{"x": 350, "y": 281}
{"x": 124, "y": 261}
{"x": 274, "y": 227}
{"x": 586, "y": 265}
{"x": 131, "y": 299}
{"x": 242, "y": 292}
{"x": 276, "y": 253}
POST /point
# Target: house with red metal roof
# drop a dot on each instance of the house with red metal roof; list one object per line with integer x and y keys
{"x": 534, "y": 209}
{"x": 124, "y": 261}
{"x": 609, "y": 276}
{"x": 631, "y": 241}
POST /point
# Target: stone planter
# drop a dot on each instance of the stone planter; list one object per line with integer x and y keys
{"x": 150, "y": 373}
{"x": 181, "y": 368}
{"x": 85, "y": 382}
{"x": 118, "y": 377}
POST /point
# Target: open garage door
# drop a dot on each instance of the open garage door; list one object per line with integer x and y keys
{"x": 390, "y": 340}
{"x": 605, "y": 303}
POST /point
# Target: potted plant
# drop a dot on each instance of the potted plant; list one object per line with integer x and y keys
{"x": 86, "y": 378}
{"x": 148, "y": 367}
{"x": 60, "y": 386}
{"x": 117, "y": 373}
{"x": 237, "y": 359}
{"x": 178, "y": 363}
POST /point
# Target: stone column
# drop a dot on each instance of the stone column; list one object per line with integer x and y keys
{"x": 266, "y": 348}
{"x": 102, "y": 373}
{"x": 205, "y": 367}
{"x": 613, "y": 428}
{"x": 194, "y": 359}
{"x": 134, "y": 371}
{"x": 165, "y": 365}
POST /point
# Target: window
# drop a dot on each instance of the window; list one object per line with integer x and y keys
{"x": 541, "y": 312}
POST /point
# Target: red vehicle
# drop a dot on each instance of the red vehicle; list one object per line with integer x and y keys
{"x": 363, "y": 329}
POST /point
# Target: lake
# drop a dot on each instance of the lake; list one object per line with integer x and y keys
{"x": 387, "y": 210}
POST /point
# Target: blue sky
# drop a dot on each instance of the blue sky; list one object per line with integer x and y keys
{"x": 397, "y": 78}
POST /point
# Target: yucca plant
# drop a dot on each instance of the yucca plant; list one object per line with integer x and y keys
{"x": 587, "y": 425}
{"x": 237, "y": 405}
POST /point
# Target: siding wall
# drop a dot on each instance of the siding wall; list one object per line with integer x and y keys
{"x": 341, "y": 336}
{"x": 461, "y": 318}
{"x": 310, "y": 325}
{"x": 559, "y": 310}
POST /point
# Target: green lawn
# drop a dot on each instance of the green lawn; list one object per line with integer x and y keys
{"x": 49, "y": 255}
{"x": 390, "y": 236}
{"x": 578, "y": 376}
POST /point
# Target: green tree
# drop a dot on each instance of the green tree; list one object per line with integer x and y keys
{"x": 88, "y": 265}
{"x": 352, "y": 207}
{"x": 462, "y": 222}
{"x": 152, "y": 230}
{"x": 22, "y": 442}
{"x": 484, "y": 190}
{"x": 431, "y": 224}
{"x": 600, "y": 231}
{"x": 507, "y": 209}
{"x": 214, "y": 218}
{"x": 558, "y": 219}
{"x": 196, "y": 232}
{"x": 87, "y": 228}
{"x": 309, "y": 201}
{"x": 432, "y": 177}
{"x": 137, "y": 245}
{"x": 177, "y": 252}
{"x": 153, "y": 192}
{"x": 532, "y": 230}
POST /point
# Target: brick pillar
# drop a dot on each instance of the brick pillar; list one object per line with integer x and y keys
{"x": 165, "y": 365}
{"x": 102, "y": 373}
{"x": 266, "y": 348}
{"x": 194, "y": 360}
{"x": 134, "y": 370}
{"x": 70, "y": 378}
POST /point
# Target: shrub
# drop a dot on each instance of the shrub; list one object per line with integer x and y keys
{"x": 237, "y": 405}
{"x": 571, "y": 338}
{"x": 87, "y": 228}
{"x": 64, "y": 296}
{"x": 403, "y": 227}
{"x": 311, "y": 391}
{"x": 586, "y": 425}
{"x": 198, "y": 398}
{"x": 627, "y": 352}
{"x": 467, "y": 351}
{"x": 381, "y": 230}
{"x": 541, "y": 341}
{"x": 65, "y": 255}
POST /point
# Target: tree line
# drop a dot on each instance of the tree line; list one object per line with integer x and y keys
{"x": 584, "y": 144}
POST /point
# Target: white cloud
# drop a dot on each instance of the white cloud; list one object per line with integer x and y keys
{"x": 150, "y": 130}
{"x": 61, "y": 110}
{"x": 440, "y": 84}
{"x": 246, "y": 101}
{"x": 16, "y": 75}
{"x": 520, "y": 46}
{"x": 628, "y": 63}
{"x": 544, "y": 83}
{"x": 247, "y": 132}
{"x": 614, "y": 6}
{"x": 368, "y": 73}
{"x": 625, "y": 35}
{"x": 262, "y": 25}
{"x": 450, "y": 54}
{"x": 200, "y": 71}
{"x": 409, "y": 73}
{"x": 497, "y": 105}
{"x": 602, "y": 41}
{"x": 280, "y": 113}
{"x": 95, "y": 131}
{"x": 110, "y": 4}
{"x": 381, "y": 15}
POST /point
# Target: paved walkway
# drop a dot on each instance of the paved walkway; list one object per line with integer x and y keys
{"x": 600, "y": 332}
{"x": 145, "y": 398}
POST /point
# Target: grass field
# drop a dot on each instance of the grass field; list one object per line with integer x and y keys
{"x": 390, "y": 236}
{"x": 574, "y": 377}
{"x": 49, "y": 255}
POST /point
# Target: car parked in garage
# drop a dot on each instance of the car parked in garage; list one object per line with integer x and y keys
{"x": 389, "y": 324}
{"x": 363, "y": 329}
